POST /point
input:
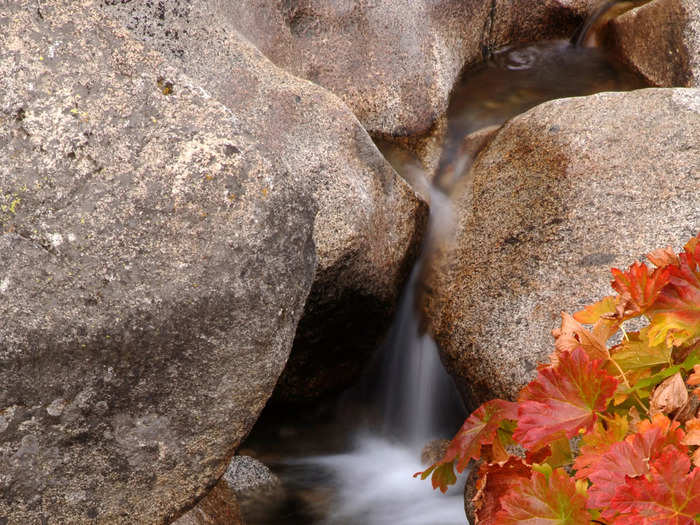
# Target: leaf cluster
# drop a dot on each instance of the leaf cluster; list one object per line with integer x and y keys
{"x": 609, "y": 431}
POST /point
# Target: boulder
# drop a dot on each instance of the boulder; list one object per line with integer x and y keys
{"x": 561, "y": 194}
{"x": 393, "y": 62}
{"x": 369, "y": 221}
{"x": 157, "y": 248}
{"x": 258, "y": 491}
{"x": 661, "y": 41}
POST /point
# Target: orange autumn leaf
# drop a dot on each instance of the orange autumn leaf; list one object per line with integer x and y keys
{"x": 603, "y": 309}
{"x": 630, "y": 458}
{"x": 639, "y": 286}
{"x": 675, "y": 314}
{"x": 692, "y": 427}
{"x": 573, "y": 334}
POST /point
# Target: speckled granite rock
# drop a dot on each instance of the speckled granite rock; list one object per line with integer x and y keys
{"x": 392, "y": 61}
{"x": 369, "y": 221}
{"x": 560, "y": 195}
{"x": 156, "y": 250}
{"x": 661, "y": 40}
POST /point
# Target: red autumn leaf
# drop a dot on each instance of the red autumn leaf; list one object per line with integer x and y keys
{"x": 629, "y": 458}
{"x": 675, "y": 314}
{"x": 667, "y": 495}
{"x": 639, "y": 286}
{"x": 597, "y": 442}
{"x": 543, "y": 499}
{"x": 495, "y": 480}
{"x": 562, "y": 400}
{"x": 479, "y": 429}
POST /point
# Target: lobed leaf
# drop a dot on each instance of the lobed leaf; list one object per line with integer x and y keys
{"x": 480, "y": 428}
{"x": 496, "y": 480}
{"x": 572, "y": 335}
{"x": 675, "y": 314}
{"x": 563, "y": 400}
{"x": 629, "y": 458}
{"x": 636, "y": 352}
{"x": 639, "y": 287}
{"x": 669, "y": 494}
{"x": 542, "y": 499}
{"x": 599, "y": 441}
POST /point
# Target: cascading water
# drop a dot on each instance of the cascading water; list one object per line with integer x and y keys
{"x": 407, "y": 398}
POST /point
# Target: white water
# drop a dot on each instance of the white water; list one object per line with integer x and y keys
{"x": 373, "y": 483}
{"x": 375, "y": 486}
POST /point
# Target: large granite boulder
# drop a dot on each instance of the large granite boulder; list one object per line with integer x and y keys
{"x": 661, "y": 41}
{"x": 157, "y": 247}
{"x": 393, "y": 62}
{"x": 561, "y": 194}
{"x": 369, "y": 221}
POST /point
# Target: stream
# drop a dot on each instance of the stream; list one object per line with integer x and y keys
{"x": 357, "y": 468}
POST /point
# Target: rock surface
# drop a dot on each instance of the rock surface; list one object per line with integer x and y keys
{"x": 392, "y": 61}
{"x": 247, "y": 488}
{"x": 661, "y": 41}
{"x": 256, "y": 488}
{"x": 218, "y": 507}
{"x": 369, "y": 221}
{"x": 157, "y": 249}
{"x": 560, "y": 195}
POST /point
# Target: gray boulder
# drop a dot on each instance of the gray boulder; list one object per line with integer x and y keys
{"x": 157, "y": 249}
{"x": 369, "y": 221}
{"x": 561, "y": 194}
{"x": 661, "y": 41}
{"x": 393, "y": 62}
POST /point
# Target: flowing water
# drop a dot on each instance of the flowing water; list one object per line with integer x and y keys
{"x": 357, "y": 469}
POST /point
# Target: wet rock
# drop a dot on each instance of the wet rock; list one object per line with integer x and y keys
{"x": 248, "y": 478}
{"x": 392, "y": 61}
{"x": 157, "y": 249}
{"x": 560, "y": 195}
{"x": 247, "y": 491}
{"x": 256, "y": 488}
{"x": 661, "y": 41}
{"x": 369, "y": 221}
